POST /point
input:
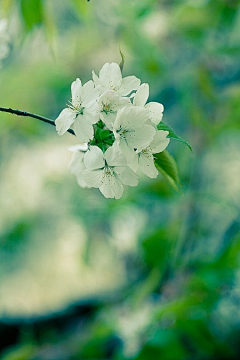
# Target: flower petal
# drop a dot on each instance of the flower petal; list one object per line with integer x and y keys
{"x": 89, "y": 94}
{"x": 80, "y": 180}
{"x": 126, "y": 175}
{"x": 79, "y": 147}
{"x": 155, "y": 112}
{"x": 146, "y": 164}
{"x": 114, "y": 157}
{"x": 129, "y": 84}
{"x": 110, "y": 76}
{"x": 76, "y": 89}
{"x": 93, "y": 158}
{"x": 83, "y": 129}
{"x": 77, "y": 165}
{"x": 108, "y": 119}
{"x": 111, "y": 187}
{"x": 141, "y": 96}
{"x": 92, "y": 177}
{"x": 127, "y": 151}
{"x": 96, "y": 79}
{"x": 64, "y": 120}
{"x": 159, "y": 142}
{"x": 134, "y": 163}
{"x": 91, "y": 114}
{"x": 131, "y": 117}
{"x": 140, "y": 138}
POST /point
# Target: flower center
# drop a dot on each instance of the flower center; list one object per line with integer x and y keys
{"x": 106, "y": 108}
{"x": 108, "y": 171}
{"x": 125, "y": 133}
{"x": 77, "y": 109}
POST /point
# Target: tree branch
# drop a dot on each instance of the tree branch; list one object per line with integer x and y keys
{"x": 25, "y": 113}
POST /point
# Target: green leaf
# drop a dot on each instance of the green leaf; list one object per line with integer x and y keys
{"x": 172, "y": 134}
{"x": 166, "y": 164}
{"x": 32, "y": 13}
{"x": 122, "y": 60}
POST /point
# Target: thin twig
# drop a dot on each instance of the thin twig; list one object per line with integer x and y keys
{"x": 25, "y": 113}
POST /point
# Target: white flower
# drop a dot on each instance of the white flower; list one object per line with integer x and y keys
{"x": 144, "y": 159}
{"x": 110, "y": 78}
{"x": 110, "y": 102}
{"x": 4, "y": 38}
{"x": 77, "y": 164}
{"x": 108, "y": 171}
{"x": 155, "y": 108}
{"x": 130, "y": 130}
{"x": 82, "y": 112}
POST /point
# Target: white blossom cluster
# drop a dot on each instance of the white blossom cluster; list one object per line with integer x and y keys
{"x": 117, "y": 129}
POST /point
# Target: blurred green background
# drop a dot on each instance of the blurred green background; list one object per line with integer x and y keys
{"x": 156, "y": 274}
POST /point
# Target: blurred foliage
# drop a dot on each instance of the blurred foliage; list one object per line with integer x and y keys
{"x": 162, "y": 266}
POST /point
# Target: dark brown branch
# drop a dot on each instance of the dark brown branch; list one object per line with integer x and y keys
{"x": 25, "y": 113}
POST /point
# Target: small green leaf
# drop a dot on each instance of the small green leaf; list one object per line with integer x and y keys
{"x": 32, "y": 13}
{"x": 166, "y": 164}
{"x": 122, "y": 61}
{"x": 172, "y": 134}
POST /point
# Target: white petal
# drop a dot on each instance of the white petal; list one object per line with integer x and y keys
{"x": 124, "y": 101}
{"x": 129, "y": 84}
{"x": 141, "y": 96}
{"x": 108, "y": 97}
{"x": 134, "y": 163}
{"x": 79, "y": 147}
{"x": 111, "y": 187}
{"x": 126, "y": 175}
{"x": 95, "y": 79}
{"x": 114, "y": 157}
{"x": 160, "y": 142}
{"x": 76, "y": 165}
{"x": 127, "y": 151}
{"x": 155, "y": 112}
{"x": 110, "y": 75}
{"x": 92, "y": 177}
{"x": 146, "y": 164}
{"x": 93, "y": 158}
{"x": 91, "y": 114}
{"x": 131, "y": 117}
{"x": 80, "y": 180}
{"x": 140, "y": 138}
{"x": 76, "y": 89}
{"x": 83, "y": 129}
{"x": 89, "y": 94}
{"x": 108, "y": 119}
{"x": 64, "y": 121}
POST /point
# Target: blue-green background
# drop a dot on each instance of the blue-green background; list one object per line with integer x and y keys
{"x": 154, "y": 275}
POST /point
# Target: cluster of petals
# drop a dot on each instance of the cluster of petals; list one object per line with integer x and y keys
{"x": 117, "y": 129}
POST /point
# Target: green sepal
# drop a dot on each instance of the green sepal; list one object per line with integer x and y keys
{"x": 104, "y": 134}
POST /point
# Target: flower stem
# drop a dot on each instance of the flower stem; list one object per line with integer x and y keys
{"x": 25, "y": 113}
